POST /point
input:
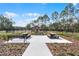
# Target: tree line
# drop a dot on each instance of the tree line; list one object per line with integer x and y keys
{"x": 66, "y": 20}
{"x": 6, "y": 24}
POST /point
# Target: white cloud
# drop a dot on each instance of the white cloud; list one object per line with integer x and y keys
{"x": 32, "y": 14}
{"x": 23, "y": 22}
{"x": 22, "y": 19}
{"x": 9, "y": 14}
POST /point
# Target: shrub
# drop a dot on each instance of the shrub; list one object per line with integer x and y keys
{"x": 7, "y": 36}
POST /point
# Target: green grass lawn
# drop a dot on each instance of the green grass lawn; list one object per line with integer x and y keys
{"x": 6, "y": 35}
{"x": 69, "y": 34}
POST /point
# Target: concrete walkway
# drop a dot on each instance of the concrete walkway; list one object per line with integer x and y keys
{"x": 37, "y": 47}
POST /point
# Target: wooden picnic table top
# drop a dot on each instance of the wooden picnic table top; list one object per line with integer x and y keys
{"x": 25, "y": 33}
{"x": 52, "y": 33}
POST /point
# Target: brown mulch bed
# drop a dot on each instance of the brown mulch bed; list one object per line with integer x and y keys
{"x": 64, "y": 49}
{"x": 13, "y": 49}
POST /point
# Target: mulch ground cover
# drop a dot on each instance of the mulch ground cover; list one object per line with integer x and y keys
{"x": 13, "y": 49}
{"x": 65, "y": 49}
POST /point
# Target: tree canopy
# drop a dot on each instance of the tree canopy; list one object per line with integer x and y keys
{"x": 66, "y": 20}
{"x": 5, "y": 23}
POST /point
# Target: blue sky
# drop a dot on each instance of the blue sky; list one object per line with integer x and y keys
{"x": 23, "y": 13}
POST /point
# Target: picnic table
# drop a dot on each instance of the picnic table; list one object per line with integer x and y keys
{"x": 53, "y": 36}
{"x": 25, "y": 35}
